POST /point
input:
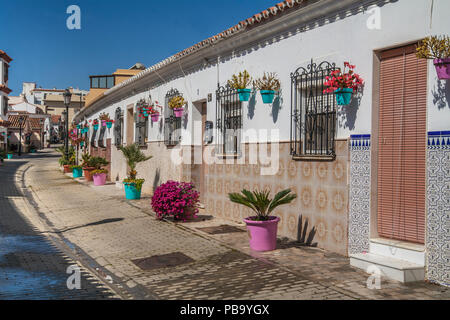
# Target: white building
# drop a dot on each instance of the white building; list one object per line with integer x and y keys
{"x": 373, "y": 185}
{"x": 5, "y": 60}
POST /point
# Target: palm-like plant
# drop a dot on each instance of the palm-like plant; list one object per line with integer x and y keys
{"x": 66, "y": 160}
{"x": 260, "y": 202}
{"x": 133, "y": 155}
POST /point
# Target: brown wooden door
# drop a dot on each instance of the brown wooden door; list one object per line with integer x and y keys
{"x": 402, "y": 145}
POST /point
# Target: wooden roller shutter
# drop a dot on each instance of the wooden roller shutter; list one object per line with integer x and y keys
{"x": 402, "y": 145}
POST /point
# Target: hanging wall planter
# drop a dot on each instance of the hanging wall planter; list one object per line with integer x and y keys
{"x": 343, "y": 84}
{"x": 109, "y": 124}
{"x": 178, "y": 112}
{"x": 268, "y": 85}
{"x": 267, "y": 96}
{"x": 244, "y": 94}
{"x": 442, "y": 68}
{"x": 95, "y": 126}
{"x": 343, "y": 96}
{"x": 240, "y": 82}
{"x": 155, "y": 117}
{"x": 436, "y": 48}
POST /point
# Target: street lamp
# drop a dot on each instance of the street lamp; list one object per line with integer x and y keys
{"x": 21, "y": 120}
{"x": 67, "y": 96}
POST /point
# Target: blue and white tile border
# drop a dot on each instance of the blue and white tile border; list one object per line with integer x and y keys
{"x": 359, "y": 195}
{"x": 438, "y": 207}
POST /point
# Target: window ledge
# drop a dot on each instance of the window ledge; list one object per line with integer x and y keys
{"x": 314, "y": 158}
{"x": 228, "y": 156}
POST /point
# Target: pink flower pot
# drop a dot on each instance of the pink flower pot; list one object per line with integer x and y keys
{"x": 99, "y": 179}
{"x": 178, "y": 112}
{"x": 262, "y": 234}
{"x": 442, "y": 68}
{"x": 155, "y": 117}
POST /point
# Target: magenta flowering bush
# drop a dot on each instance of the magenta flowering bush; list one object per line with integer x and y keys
{"x": 174, "y": 199}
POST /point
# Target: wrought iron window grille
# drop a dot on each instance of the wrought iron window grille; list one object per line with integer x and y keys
{"x": 172, "y": 124}
{"x": 228, "y": 121}
{"x": 313, "y": 112}
{"x": 141, "y": 126}
{"x": 101, "y": 137}
{"x": 93, "y": 136}
{"x": 118, "y": 127}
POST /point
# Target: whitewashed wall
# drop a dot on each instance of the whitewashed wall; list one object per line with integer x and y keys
{"x": 345, "y": 39}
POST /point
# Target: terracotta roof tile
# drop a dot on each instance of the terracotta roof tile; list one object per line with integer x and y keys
{"x": 5, "y": 89}
{"x": 35, "y": 123}
{"x": 3, "y": 55}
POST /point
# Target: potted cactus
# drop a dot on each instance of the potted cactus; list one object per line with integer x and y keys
{"x": 133, "y": 156}
{"x": 268, "y": 85}
{"x": 438, "y": 49}
{"x": 262, "y": 228}
{"x": 177, "y": 103}
{"x": 343, "y": 84}
{"x": 240, "y": 82}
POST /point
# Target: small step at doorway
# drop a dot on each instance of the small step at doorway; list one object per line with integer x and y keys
{"x": 396, "y": 260}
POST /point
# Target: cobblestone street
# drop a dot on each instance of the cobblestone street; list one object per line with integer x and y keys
{"x": 44, "y": 212}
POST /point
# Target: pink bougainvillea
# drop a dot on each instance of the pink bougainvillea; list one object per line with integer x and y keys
{"x": 174, "y": 198}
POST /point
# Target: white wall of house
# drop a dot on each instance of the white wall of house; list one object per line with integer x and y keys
{"x": 343, "y": 39}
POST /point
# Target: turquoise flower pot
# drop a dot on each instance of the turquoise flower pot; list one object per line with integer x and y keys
{"x": 82, "y": 144}
{"x": 78, "y": 126}
{"x": 77, "y": 172}
{"x": 267, "y": 96}
{"x": 131, "y": 193}
{"x": 244, "y": 94}
{"x": 9, "y": 156}
{"x": 109, "y": 125}
{"x": 343, "y": 96}
{"x": 95, "y": 126}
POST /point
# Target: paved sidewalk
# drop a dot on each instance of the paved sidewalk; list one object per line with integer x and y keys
{"x": 31, "y": 265}
{"x": 112, "y": 233}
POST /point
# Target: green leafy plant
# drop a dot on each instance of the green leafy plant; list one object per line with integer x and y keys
{"x": 260, "y": 201}
{"x": 133, "y": 156}
{"x": 268, "y": 82}
{"x": 85, "y": 159}
{"x": 240, "y": 81}
{"x": 65, "y": 159}
{"x": 434, "y": 47}
{"x": 76, "y": 167}
{"x": 99, "y": 171}
{"x": 97, "y": 162}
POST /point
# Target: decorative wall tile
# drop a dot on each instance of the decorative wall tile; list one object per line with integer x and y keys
{"x": 438, "y": 207}
{"x": 359, "y": 208}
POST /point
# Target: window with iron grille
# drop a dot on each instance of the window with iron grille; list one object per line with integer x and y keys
{"x": 313, "y": 112}
{"x": 101, "y": 137}
{"x": 118, "y": 127}
{"x": 94, "y": 134}
{"x": 172, "y": 124}
{"x": 141, "y": 128}
{"x": 228, "y": 121}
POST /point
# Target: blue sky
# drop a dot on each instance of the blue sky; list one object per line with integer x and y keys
{"x": 114, "y": 34}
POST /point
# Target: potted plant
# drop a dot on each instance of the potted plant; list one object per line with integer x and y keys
{"x": 267, "y": 86}
{"x": 177, "y": 103}
{"x": 343, "y": 84}
{"x": 438, "y": 49}
{"x": 9, "y": 155}
{"x": 106, "y": 120}
{"x": 177, "y": 199}
{"x": 133, "y": 156}
{"x": 98, "y": 174}
{"x": 240, "y": 82}
{"x": 153, "y": 111}
{"x": 95, "y": 124}
{"x": 262, "y": 228}
{"x": 86, "y": 162}
{"x": 66, "y": 160}
{"x": 77, "y": 171}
